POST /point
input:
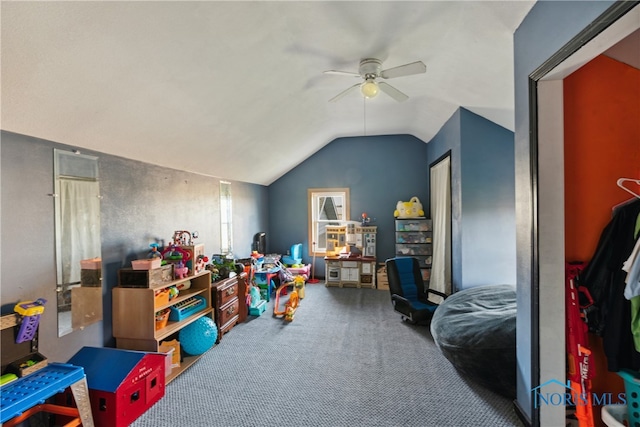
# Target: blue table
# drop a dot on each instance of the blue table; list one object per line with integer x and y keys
{"x": 263, "y": 279}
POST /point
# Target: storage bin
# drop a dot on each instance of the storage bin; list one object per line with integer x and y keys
{"x": 91, "y": 264}
{"x": 161, "y": 298}
{"x": 162, "y": 318}
{"x": 614, "y": 415}
{"x": 91, "y": 277}
{"x": 28, "y": 364}
{"x": 146, "y": 264}
{"x": 130, "y": 278}
{"x": 632, "y": 392}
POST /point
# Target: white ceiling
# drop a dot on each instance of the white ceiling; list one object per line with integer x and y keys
{"x": 235, "y": 89}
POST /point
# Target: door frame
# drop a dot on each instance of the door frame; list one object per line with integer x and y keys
{"x": 546, "y": 144}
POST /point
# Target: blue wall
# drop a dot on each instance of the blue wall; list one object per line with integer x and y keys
{"x": 378, "y": 170}
{"x": 544, "y": 31}
{"x": 384, "y": 169}
{"x": 449, "y": 138}
{"x": 482, "y": 199}
{"x": 488, "y": 203}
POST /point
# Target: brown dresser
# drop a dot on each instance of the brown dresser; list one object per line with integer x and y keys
{"x": 229, "y": 302}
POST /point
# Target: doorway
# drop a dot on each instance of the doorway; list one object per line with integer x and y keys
{"x": 440, "y": 203}
{"x": 548, "y": 172}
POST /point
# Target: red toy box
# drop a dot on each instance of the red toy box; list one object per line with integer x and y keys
{"x": 122, "y": 384}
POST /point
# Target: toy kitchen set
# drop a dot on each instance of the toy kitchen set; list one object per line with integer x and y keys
{"x": 351, "y": 255}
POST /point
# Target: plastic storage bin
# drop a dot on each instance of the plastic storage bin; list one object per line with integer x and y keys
{"x": 632, "y": 391}
{"x": 614, "y": 415}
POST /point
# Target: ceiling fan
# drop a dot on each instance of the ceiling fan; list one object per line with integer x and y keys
{"x": 371, "y": 70}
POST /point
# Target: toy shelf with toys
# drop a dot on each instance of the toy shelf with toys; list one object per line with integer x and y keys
{"x": 145, "y": 318}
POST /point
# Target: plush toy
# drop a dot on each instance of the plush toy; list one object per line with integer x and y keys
{"x": 410, "y": 209}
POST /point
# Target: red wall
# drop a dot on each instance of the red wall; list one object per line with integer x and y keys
{"x": 602, "y": 144}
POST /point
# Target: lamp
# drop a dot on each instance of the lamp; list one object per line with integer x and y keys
{"x": 369, "y": 88}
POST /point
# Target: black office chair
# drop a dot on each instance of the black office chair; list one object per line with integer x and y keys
{"x": 408, "y": 293}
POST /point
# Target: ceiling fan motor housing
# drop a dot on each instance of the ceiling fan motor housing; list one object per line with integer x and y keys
{"x": 370, "y": 68}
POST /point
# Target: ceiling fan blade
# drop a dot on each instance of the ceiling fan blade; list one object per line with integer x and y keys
{"x": 417, "y": 67}
{"x": 342, "y": 73}
{"x": 344, "y": 92}
{"x": 392, "y": 92}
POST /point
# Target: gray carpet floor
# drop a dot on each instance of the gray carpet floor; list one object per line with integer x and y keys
{"x": 346, "y": 360}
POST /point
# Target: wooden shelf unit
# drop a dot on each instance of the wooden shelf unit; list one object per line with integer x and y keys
{"x": 134, "y": 309}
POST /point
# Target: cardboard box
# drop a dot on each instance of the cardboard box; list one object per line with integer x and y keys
{"x": 382, "y": 279}
{"x": 175, "y": 356}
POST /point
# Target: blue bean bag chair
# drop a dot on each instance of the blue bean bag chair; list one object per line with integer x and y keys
{"x": 476, "y": 331}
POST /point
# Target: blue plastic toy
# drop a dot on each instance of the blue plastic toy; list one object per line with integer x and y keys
{"x": 295, "y": 255}
{"x": 199, "y": 336}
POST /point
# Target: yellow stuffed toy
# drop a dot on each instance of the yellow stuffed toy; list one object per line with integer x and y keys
{"x": 410, "y": 209}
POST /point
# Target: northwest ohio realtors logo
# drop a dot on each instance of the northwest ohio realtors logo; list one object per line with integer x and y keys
{"x": 569, "y": 397}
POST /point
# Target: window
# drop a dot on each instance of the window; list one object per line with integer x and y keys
{"x": 226, "y": 226}
{"x": 327, "y": 206}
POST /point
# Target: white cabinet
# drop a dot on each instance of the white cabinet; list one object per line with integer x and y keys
{"x": 350, "y": 272}
{"x": 356, "y": 272}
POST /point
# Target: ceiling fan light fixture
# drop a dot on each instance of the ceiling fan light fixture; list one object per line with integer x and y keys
{"x": 369, "y": 88}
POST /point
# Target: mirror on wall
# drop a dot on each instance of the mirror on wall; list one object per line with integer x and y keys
{"x": 78, "y": 242}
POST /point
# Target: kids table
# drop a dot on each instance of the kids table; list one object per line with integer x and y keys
{"x": 24, "y": 393}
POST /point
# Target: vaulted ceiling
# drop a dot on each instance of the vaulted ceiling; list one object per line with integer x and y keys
{"x": 236, "y": 89}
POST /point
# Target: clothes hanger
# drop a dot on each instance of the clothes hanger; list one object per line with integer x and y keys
{"x": 621, "y": 182}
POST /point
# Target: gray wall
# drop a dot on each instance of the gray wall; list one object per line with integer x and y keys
{"x": 547, "y": 27}
{"x": 141, "y": 203}
{"x": 482, "y": 199}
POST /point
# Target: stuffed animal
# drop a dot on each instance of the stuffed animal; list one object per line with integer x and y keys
{"x": 410, "y": 209}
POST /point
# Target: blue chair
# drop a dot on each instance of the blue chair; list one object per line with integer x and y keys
{"x": 408, "y": 291}
{"x": 295, "y": 255}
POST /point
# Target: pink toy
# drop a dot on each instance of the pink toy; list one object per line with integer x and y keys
{"x": 180, "y": 270}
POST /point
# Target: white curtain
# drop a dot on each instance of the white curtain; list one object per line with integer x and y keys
{"x": 79, "y": 225}
{"x": 440, "y": 176}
